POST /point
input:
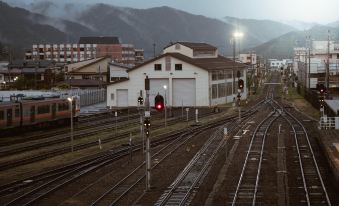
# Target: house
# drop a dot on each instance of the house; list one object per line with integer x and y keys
{"x": 95, "y": 70}
{"x": 36, "y": 74}
{"x": 186, "y": 74}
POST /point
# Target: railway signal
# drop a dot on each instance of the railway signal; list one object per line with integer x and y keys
{"x": 147, "y": 124}
{"x": 159, "y": 103}
{"x": 241, "y": 84}
{"x": 140, "y": 100}
{"x": 321, "y": 88}
{"x": 321, "y": 100}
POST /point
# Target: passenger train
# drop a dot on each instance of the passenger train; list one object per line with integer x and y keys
{"x": 28, "y": 113}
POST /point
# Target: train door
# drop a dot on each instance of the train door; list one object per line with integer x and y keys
{"x": 53, "y": 110}
{"x": 9, "y": 117}
{"x": 32, "y": 114}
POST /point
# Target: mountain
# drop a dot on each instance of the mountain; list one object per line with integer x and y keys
{"x": 21, "y": 28}
{"x": 334, "y": 24}
{"x": 282, "y": 47}
{"x": 300, "y": 25}
{"x": 261, "y": 30}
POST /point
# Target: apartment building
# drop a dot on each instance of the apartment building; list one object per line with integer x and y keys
{"x": 87, "y": 48}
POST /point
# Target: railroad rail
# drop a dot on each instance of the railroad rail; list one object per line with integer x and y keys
{"x": 247, "y": 187}
{"x": 314, "y": 190}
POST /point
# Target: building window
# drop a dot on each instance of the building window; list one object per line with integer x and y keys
{"x": 214, "y": 91}
{"x": 221, "y": 90}
{"x": 157, "y": 67}
{"x": 221, "y": 74}
{"x": 214, "y": 75}
{"x": 178, "y": 67}
{"x": 112, "y": 96}
{"x": 177, "y": 47}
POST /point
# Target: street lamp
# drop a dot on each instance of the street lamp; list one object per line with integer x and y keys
{"x": 165, "y": 88}
{"x": 70, "y": 100}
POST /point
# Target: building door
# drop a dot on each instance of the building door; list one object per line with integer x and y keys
{"x": 32, "y": 114}
{"x": 122, "y": 98}
{"x": 157, "y": 87}
{"x": 184, "y": 92}
{"x": 9, "y": 117}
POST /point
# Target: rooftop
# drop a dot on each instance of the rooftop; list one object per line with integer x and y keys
{"x": 195, "y": 45}
{"x": 99, "y": 40}
{"x": 219, "y": 62}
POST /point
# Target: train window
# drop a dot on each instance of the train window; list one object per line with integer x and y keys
{"x": 2, "y": 115}
{"x": 63, "y": 106}
{"x": 43, "y": 109}
{"x": 17, "y": 112}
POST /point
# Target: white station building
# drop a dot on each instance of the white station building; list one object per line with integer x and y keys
{"x": 187, "y": 74}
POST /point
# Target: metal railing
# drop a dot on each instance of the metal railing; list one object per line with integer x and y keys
{"x": 329, "y": 122}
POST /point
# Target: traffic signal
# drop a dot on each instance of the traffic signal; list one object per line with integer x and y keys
{"x": 147, "y": 125}
{"x": 321, "y": 88}
{"x": 159, "y": 103}
{"x": 140, "y": 100}
{"x": 241, "y": 84}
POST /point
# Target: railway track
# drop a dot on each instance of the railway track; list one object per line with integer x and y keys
{"x": 61, "y": 178}
{"x": 63, "y": 150}
{"x": 247, "y": 187}
{"x": 314, "y": 190}
{"x": 182, "y": 190}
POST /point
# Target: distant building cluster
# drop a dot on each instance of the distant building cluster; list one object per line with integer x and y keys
{"x": 87, "y": 48}
{"x": 311, "y": 62}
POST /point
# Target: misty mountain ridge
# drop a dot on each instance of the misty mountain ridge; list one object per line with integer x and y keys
{"x": 141, "y": 27}
{"x": 282, "y": 46}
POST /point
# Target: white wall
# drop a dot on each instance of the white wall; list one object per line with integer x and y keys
{"x": 116, "y": 71}
{"x": 137, "y": 79}
{"x": 182, "y": 50}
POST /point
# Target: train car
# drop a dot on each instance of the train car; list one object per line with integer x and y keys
{"x": 10, "y": 115}
{"x": 33, "y": 112}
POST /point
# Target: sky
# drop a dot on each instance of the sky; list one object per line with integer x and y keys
{"x": 319, "y": 11}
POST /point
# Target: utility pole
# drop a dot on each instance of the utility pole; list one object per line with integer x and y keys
{"x": 328, "y": 62}
{"x": 147, "y": 125}
{"x": 309, "y": 62}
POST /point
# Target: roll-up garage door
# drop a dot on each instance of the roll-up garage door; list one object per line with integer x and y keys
{"x": 122, "y": 97}
{"x": 157, "y": 86}
{"x": 183, "y": 92}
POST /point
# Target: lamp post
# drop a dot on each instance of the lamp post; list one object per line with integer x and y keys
{"x": 70, "y": 100}
{"x": 165, "y": 88}
{"x": 236, "y": 35}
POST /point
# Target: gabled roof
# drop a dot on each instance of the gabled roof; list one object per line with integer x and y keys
{"x": 120, "y": 65}
{"x": 80, "y": 65}
{"x": 99, "y": 40}
{"x": 204, "y": 63}
{"x": 195, "y": 45}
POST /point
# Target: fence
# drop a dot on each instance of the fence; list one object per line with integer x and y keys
{"x": 90, "y": 96}
{"x": 329, "y": 122}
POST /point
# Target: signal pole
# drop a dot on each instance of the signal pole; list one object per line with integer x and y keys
{"x": 147, "y": 118}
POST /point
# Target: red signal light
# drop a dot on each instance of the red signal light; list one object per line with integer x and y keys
{"x": 159, "y": 103}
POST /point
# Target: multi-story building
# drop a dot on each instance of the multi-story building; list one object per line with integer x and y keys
{"x": 310, "y": 64}
{"x": 87, "y": 48}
